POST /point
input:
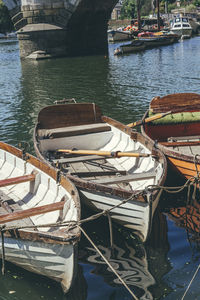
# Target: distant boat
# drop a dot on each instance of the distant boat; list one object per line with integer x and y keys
{"x": 154, "y": 40}
{"x": 134, "y": 46}
{"x": 2, "y": 36}
{"x": 119, "y": 35}
{"x": 181, "y": 27}
{"x": 29, "y": 197}
{"x": 104, "y": 176}
{"x": 11, "y": 35}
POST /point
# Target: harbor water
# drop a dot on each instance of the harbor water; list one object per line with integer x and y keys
{"x": 123, "y": 87}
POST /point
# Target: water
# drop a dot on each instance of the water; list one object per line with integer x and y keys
{"x": 122, "y": 87}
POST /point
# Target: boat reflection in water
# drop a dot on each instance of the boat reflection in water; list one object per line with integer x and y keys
{"x": 188, "y": 217}
{"x": 140, "y": 267}
{"x": 21, "y": 284}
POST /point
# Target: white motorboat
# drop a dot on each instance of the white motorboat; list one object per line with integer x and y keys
{"x": 182, "y": 27}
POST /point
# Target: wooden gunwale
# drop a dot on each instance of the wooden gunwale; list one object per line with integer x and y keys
{"x": 59, "y": 236}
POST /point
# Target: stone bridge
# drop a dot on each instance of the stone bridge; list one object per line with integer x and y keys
{"x": 50, "y": 28}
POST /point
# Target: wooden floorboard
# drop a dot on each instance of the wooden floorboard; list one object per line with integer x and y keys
{"x": 8, "y": 205}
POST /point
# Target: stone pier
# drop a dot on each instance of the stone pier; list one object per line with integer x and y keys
{"x": 52, "y": 28}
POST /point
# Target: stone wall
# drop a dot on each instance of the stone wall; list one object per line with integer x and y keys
{"x": 73, "y": 27}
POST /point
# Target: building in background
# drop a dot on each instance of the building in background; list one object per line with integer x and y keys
{"x": 117, "y": 11}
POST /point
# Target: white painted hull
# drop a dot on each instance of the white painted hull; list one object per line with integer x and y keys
{"x": 115, "y": 36}
{"x": 182, "y": 32}
{"x": 134, "y": 215}
{"x": 46, "y": 251}
{"x": 56, "y": 262}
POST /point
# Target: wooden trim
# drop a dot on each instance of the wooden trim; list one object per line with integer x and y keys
{"x": 17, "y": 180}
{"x": 100, "y": 173}
{"x": 131, "y": 177}
{"x": 31, "y": 212}
{"x": 174, "y": 101}
{"x": 78, "y": 159}
{"x": 180, "y": 144}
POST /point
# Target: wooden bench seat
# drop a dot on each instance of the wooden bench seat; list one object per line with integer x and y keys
{"x": 182, "y": 141}
{"x": 126, "y": 178}
{"x": 73, "y": 130}
{"x": 8, "y": 205}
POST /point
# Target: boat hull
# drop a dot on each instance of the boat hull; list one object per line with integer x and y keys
{"x": 31, "y": 241}
{"x": 177, "y": 135}
{"x": 99, "y": 188}
{"x": 187, "y": 33}
{"x": 117, "y": 36}
{"x": 156, "y": 42}
{"x": 57, "y": 262}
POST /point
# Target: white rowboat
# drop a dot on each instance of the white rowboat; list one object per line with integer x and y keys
{"x": 30, "y": 196}
{"x": 103, "y": 181}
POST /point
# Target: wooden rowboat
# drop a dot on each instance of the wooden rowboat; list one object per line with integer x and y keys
{"x": 104, "y": 175}
{"x": 177, "y": 135}
{"x": 29, "y": 197}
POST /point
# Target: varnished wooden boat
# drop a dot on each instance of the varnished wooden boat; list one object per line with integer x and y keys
{"x": 30, "y": 196}
{"x": 104, "y": 181}
{"x": 177, "y": 135}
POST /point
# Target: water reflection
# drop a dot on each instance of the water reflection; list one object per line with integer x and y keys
{"x": 20, "y": 284}
{"x": 142, "y": 268}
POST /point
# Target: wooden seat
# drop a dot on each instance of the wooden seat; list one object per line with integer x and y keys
{"x": 8, "y": 205}
{"x": 126, "y": 178}
{"x": 73, "y": 130}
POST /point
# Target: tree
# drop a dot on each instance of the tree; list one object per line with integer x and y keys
{"x": 128, "y": 10}
{"x": 6, "y": 24}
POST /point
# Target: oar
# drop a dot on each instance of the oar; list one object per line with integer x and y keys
{"x": 149, "y": 119}
{"x": 104, "y": 153}
{"x": 161, "y": 115}
{"x": 31, "y": 212}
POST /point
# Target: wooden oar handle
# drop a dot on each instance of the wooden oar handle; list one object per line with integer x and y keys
{"x": 104, "y": 153}
{"x": 149, "y": 119}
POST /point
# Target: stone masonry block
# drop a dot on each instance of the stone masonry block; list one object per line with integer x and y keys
{"x": 27, "y": 14}
{"x": 49, "y": 12}
{"x": 25, "y": 8}
{"x": 29, "y": 20}
{"x": 59, "y": 4}
{"x": 47, "y": 6}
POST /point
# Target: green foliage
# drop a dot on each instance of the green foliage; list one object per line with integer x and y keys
{"x": 128, "y": 10}
{"x": 6, "y": 24}
{"x": 171, "y": 6}
{"x": 189, "y": 8}
{"x": 196, "y": 3}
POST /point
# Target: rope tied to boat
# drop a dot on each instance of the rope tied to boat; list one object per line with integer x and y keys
{"x": 108, "y": 213}
{"x": 2, "y": 249}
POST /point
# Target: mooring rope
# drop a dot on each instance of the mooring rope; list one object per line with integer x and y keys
{"x": 190, "y": 283}
{"x": 107, "y": 262}
{"x": 107, "y": 212}
{"x": 3, "y": 250}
